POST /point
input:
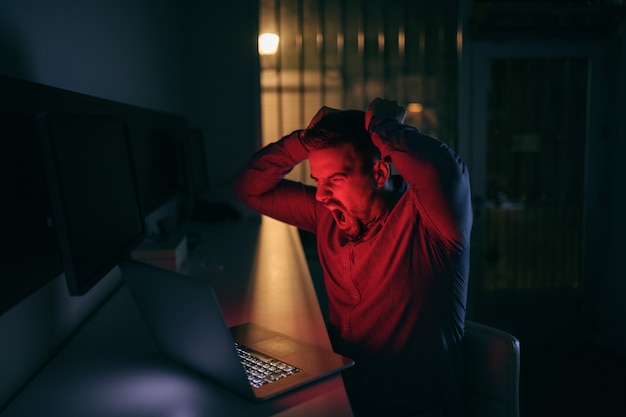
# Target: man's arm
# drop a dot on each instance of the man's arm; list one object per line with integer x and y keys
{"x": 435, "y": 173}
{"x": 261, "y": 184}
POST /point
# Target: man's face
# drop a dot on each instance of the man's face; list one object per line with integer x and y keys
{"x": 344, "y": 187}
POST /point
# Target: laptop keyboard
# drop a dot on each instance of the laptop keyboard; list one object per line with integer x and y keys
{"x": 262, "y": 369}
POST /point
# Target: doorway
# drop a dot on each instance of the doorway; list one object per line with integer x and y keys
{"x": 535, "y": 112}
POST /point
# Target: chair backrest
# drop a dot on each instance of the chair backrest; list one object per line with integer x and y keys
{"x": 492, "y": 368}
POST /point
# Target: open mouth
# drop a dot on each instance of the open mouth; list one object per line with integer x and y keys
{"x": 339, "y": 216}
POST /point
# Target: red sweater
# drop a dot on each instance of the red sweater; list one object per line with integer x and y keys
{"x": 398, "y": 293}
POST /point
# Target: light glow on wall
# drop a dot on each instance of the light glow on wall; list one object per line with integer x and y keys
{"x": 414, "y": 108}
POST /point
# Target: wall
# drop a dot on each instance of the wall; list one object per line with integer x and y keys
{"x": 135, "y": 52}
{"x": 119, "y": 50}
{"x": 222, "y": 83}
{"x": 611, "y": 317}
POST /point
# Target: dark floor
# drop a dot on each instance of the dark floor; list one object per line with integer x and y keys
{"x": 570, "y": 379}
{"x": 575, "y": 379}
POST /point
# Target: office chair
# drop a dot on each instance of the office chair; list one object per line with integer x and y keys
{"x": 492, "y": 368}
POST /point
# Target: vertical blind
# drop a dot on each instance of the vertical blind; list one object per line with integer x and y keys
{"x": 345, "y": 53}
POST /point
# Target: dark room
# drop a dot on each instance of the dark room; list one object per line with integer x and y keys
{"x": 172, "y": 209}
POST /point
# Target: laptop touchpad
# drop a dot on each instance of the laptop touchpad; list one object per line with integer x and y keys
{"x": 278, "y": 345}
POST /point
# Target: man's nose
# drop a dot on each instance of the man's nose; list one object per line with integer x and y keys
{"x": 323, "y": 193}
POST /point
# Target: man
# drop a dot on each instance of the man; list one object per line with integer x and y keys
{"x": 394, "y": 249}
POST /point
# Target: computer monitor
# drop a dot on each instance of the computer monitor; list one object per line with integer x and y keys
{"x": 94, "y": 195}
{"x": 156, "y": 142}
{"x": 30, "y": 255}
{"x": 198, "y": 171}
{"x": 203, "y": 207}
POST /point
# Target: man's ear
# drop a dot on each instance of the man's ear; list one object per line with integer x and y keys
{"x": 382, "y": 171}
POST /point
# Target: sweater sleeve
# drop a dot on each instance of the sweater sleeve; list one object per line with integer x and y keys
{"x": 437, "y": 176}
{"x": 261, "y": 184}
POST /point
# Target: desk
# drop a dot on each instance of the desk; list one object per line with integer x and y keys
{"x": 111, "y": 367}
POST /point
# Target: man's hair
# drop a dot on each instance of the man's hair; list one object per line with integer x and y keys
{"x": 339, "y": 128}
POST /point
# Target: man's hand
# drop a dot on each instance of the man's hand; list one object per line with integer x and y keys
{"x": 384, "y": 108}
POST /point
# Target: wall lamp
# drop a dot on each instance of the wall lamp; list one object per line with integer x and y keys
{"x": 268, "y": 43}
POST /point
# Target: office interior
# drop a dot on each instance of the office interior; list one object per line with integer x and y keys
{"x": 531, "y": 94}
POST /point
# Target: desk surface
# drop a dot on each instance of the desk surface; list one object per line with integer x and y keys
{"x": 111, "y": 367}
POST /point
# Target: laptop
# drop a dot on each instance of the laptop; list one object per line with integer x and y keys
{"x": 186, "y": 322}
